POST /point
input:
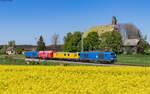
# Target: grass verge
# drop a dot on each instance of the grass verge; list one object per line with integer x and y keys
{"x": 138, "y": 59}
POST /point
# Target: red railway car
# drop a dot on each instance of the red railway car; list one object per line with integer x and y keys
{"x": 46, "y": 54}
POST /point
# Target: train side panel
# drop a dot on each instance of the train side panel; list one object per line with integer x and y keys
{"x": 31, "y": 54}
{"x": 28, "y": 54}
{"x": 66, "y": 55}
{"x": 46, "y": 54}
{"x": 89, "y": 56}
{"x": 101, "y": 56}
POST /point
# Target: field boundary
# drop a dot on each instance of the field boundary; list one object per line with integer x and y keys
{"x": 81, "y": 63}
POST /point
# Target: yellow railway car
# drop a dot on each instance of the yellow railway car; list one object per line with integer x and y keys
{"x": 66, "y": 55}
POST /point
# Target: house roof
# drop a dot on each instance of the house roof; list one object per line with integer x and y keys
{"x": 10, "y": 48}
{"x": 27, "y": 49}
{"x": 131, "y": 42}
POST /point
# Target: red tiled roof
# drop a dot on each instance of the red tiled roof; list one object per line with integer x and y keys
{"x": 10, "y": 48}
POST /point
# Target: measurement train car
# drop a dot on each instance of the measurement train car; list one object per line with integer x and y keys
{"x": 66, "y": 55}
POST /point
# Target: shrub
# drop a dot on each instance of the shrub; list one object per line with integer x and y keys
{"x": 10, "y": 59}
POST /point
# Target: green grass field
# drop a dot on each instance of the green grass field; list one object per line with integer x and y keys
{"x": 16, "y": 62}
{"x": 138, "y": 59}
{"x": 12, "y": 61}
{"x": 15, "y": 56}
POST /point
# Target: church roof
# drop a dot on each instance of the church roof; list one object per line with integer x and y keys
{"x": 131, "y": 42}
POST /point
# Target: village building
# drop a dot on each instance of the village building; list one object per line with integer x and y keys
{"x": 104, "y": 28}
{"x": 130, "y": 42}
{"x": 129, "y": 46}
{"x": 10, "y": 51}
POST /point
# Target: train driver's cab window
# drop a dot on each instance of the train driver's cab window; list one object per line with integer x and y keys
{"x": 113, "y": 54}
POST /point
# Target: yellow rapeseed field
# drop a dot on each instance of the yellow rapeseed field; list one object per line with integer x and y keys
{"x": 74, "y": 80}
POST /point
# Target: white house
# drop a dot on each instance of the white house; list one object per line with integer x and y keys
{"x": 10, "y": 51}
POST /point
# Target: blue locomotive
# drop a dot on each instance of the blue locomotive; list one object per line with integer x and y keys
{"x": 103, "y": 57}
{"x": 32, "y": 54}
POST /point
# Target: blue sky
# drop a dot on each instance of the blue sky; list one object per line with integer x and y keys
{"x": 25, "y": 20}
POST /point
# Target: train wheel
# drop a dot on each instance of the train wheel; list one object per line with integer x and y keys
{"x": 106, "y": 62}
{"x": 101, "y": 62}
{"x": 112, "y": 62}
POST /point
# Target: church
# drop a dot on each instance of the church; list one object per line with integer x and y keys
{"x": 130, "y": 41}
{"x": 104, "y": 28}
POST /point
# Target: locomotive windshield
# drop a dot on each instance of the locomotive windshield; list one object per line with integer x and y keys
{"x": 113, "y": 54}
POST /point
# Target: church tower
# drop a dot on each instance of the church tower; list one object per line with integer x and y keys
{"x": 114, "y": 20}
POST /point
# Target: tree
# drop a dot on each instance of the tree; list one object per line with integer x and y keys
{"x": 92, "y": 42}
{"x": 55, "y": 38}
{"x": 75, "y": 42}
{"x": 111, "y": 40}
{"x": 11, "y": 43}
{"x": 18, "y": 50}
{"x": 130, "y": 31}
{"x": 67, "y": 39}
{"x": 143, "y": 45}
{"x": 3, "y": 50}
{"x": 72, "y": 42}
{"x": 40, "y": 44}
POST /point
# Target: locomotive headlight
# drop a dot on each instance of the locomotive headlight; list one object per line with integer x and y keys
{"x": 112, "y": 58}
{"x": 96, "y": 56}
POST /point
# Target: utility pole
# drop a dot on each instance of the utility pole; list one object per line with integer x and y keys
{"x": 82, "y": 46}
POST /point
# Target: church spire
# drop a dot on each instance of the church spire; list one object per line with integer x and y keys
{"x": 114, "y": 20}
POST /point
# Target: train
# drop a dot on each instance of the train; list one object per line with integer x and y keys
{"x": 98, "y": 56}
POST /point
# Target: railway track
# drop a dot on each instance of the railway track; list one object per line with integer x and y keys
{"x": 77, "y": 62}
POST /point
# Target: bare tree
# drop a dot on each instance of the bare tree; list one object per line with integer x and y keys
{"x": 11, "y": 43}
{"x": 129, "y": 31}
{"x": 55, "y": 39}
